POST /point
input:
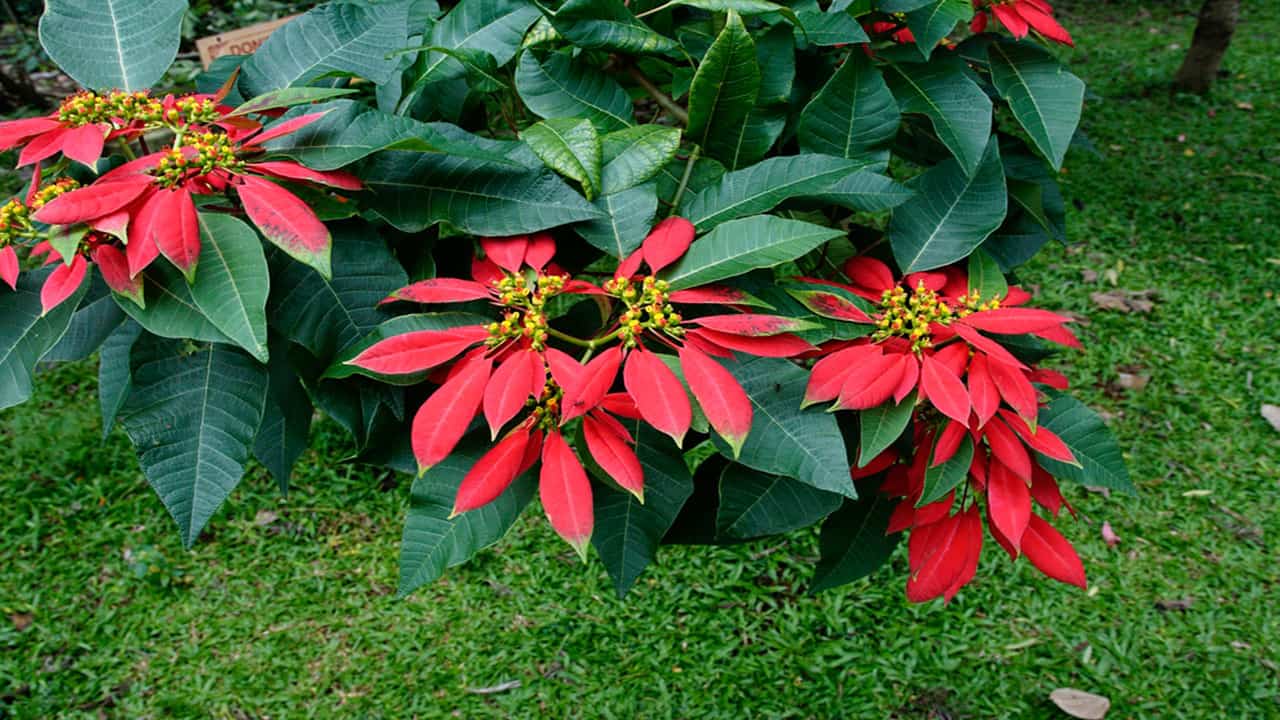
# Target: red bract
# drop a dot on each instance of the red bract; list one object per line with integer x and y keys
{"x": 1020, "y": 17}
{"x": 650, "y": 315}
{"x": 506, "y": 368}
{"x": 1004, "y": 472}
{"x": 150, "y": 202}
{"x": 928, "y": 337}
{"x": 93, "y": 249}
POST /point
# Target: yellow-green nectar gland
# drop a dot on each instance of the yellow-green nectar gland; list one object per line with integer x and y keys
{"x": 202, "y": 154}
{"x": 910, "y": 314}
{"x": 15, "y": 215}
{"x": 525, "y": 317}
{"x": 118, "y": 108}
{"x": 546, "y": 409}
{"x": 648, "y": 307}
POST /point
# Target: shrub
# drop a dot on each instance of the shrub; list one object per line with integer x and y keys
{"x": 694, "y": 272}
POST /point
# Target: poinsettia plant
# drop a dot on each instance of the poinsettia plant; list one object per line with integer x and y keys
{"x": 694, "y": 271}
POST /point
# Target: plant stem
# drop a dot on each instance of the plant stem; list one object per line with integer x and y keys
{"x": 684, "y": 179}
{"x": 127, "y": 150}
{"x": 658, "y": 9}
{"x": 663, "y": 100}
{"x": 569, "y": 338}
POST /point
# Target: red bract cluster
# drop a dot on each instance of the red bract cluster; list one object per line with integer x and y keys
{"x": 927, "y": 344}
{"x": 1020, "y": 17}
{"x": 145, "y": 208}
{"x": 509, "y": 370}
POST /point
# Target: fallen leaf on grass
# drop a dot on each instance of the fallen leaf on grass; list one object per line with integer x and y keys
{"x": 1181, "y": 604}
{"x": 21, "y": 621}
{"x": 1139, "y": 301}
{"x": 1271, "y": 413}
{"x": 1244, "y": 105}
{"x": 265, "y": 517}
{"x": 1109, "y": 535}
{"x": 1080, "y": 704}
{"x": 1089, "y": 276}
{"x": 1132, "y": 381}
{"x": 499, "y": 688}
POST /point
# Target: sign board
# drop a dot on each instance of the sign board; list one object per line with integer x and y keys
{"x": 237, "y": 42}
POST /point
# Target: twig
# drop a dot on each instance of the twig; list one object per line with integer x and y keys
{"x": 663, "y": 100}
{"x": 684, "y": 179}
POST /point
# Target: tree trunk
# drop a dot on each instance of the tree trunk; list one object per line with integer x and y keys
{"x": 1214, "y": 28}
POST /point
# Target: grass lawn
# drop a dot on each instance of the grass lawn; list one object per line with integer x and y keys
{"x": 286, "y": 609}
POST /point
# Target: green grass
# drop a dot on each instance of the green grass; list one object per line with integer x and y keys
{"x": 296, "y": 617}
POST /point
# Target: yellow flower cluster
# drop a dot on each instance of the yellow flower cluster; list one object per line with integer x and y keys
{"x": 526, "y": 315}
{"x": 647, "y": 308}
{"x": 910, "y": 314}
{"x": 202, "y": 154}
{"x": 546, "y": 409}
{"x": 125, "y": 108}
{"x": 15, "y": 215}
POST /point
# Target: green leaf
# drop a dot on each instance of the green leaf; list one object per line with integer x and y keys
{"x": 854, "y": 542}
{"x": 867, "y": 191}
{"x": 413, "y": 191}
{"x": 854, "y": 115}
{"x": 725, "y": 86}
{"x": 952, "y": 213}
{"x": 1095, "y": 448}
{"x": 942, "y": 91}
{"x": 776, "y": 57}
{"x": 115, "y": 376}
{"x": 900, "y": 6}
{"x": 742, "y": 7}
{"x": 1045, "y": 98}
{"x": 171, "y": 312}
{"x": 232, "y": 281}
{"x": 608, "y": 25}
{"x": 350, "y": 131}
{"x": 940, "y": 480}
{"x": 325, "y": 316}
{"x": 705, "y": 172}
{"x": 286, "y": 419}
{"x": 65, "y": 239}
{"x": 829, "y": 28}
{"x": 635, "y": 155}
{"x": 432, "y": 542}
{"x": 754, "y": 504}
{"x": 491, "y": 26}
{"x": 628, "y": 532}
{"x": 26, "y": 335}
{"x": 561, "y": 87}
{"x": 785, "y": 440}
{"x": 985, "y": 276}
{"x": 738, "y": 246}
{"x": 762, "y": 187}
{"x": 751, "y": 140}
{"x": 192, "y": 417}
{"x": 287, "y": 98}
{"x": 113, "y": 44}
{"x": 93, "y": 322}
{"x": 398, "y": 325}
{"x": 934, "y": 22}
{"x": 628, "y": 217}
{"x": 569, "y": 146}
{"x": 880, "y": 426}
{"x": 343, "y": 39}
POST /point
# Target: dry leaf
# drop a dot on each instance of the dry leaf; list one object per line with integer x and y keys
{"x": 1271, "y": 413}
{"x": 1182, "y": 604}
{"x": 1080, "y": 704}
{"x": 1109, "y": 535}
{"x": 1089, "y": 276}
{"x": 265, "y": 517}
{"x": 1139, "y": 301}
{"x": 21, "y": 621}
{"x": 499, "y": 688}
{"x": 1244, "y": 105}
{"x": 1131, "y": 381}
